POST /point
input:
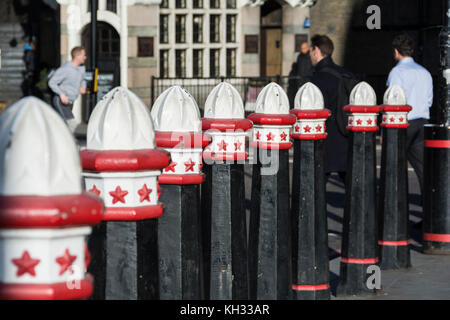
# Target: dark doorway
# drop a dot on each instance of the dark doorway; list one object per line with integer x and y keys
{"x": 271, "y": 34}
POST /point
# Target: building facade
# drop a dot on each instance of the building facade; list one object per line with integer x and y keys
{"x": 188, "y": 38}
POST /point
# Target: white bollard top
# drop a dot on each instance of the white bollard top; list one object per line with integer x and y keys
{"x": 363, "y": 95}
{"x": 176, "y": 110}
{"x": 38, "y": 154}
{"x": 120, "y": 121}
{"x": 272, "y": 100}
{"x": 224, "y": 102}
{"x": 394, "y": 96}
{"x": 309, "y": 97}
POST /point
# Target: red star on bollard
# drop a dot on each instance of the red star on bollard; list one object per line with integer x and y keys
{"x": 95, "y": 190}
{"x": 26, "y": 264}
{"x": 118, "y": 195}
{"x": 144, "y": 193}
{"x": 258, "y": 135}
{"x": 65, "y": 261}
{"x": 269, "y": 136}
{"x": 297, "y": 128}
{"x": 237, "y": 145}
{"x": 171, "y": 167}
{"x": 392, "y": 119}
{"x": 400, "y": 119}
{"x": 318, "y": 128}
{"x": 369, "y": 122}
{"x": 359, "y": 122}
{"x": 222, "y": 145}
{"x": 350, "y": 120}
{"x": 307, "y": 129}
{"x": 283, "y": 136}
{"x": 189, "y": 165}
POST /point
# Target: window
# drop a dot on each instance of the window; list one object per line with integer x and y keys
{"x": 231, "y": 4}
{"x": 180, "y": 4}
{"x": 111, "y": 5}
{"x": 231, "y": 62}
{"x": 214, "y": 4}
{"x": 231, "y": 28}
{"x": 180, "y": 28}
{"x": 251, "y": 43}
{"x": 214, "y": 63}
{"x": 164, "y": 4}
{"x": 145, "y": 47}
{"x": 197, "y": 4}
{"x": 180, "y": 63}
{"x": 214, "y": 32}
{"x": 164, "y": 28}
{"x": 197, "y": 70}
{"x": 197, "y": 24}
{"x": 164, "y": 63}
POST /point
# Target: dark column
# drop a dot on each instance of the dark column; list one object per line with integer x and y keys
{"x": 308, "y": 208}
{"x": 436, "y": 223}
{"x": 359, "y": 236}
{"x": 393, "y": 194}
{"x": 179, "y": 243}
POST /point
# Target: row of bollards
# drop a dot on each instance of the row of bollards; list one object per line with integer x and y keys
{"x": 170, "y": 231}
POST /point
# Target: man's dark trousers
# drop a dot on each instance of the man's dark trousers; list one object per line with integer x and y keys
{"x": 65, "y": 110}
{"x": 414, "y": 145}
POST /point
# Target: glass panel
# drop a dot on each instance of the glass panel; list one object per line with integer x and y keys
{"x": 179, "y": 4}
{"x": 164, "y": 28}
{"x": 214, "y": 32}
{"x": 214, "y": 4}
{"x": 231, "y": 4}
{"x": 180, "y": 28}
{"x": 164, "y": 63}
{"x": 180, "y": 63}
{"x": 214, "y": 62}
{"x": 198, "y": 63}
{"x": 111, "y": 5}
{"x": 196, "y": 4}
{"x": 197, "y": 23}
{"x": 231, "y": 28}
{"x": 231, "y": 62}
{"x": 164, "y": 4}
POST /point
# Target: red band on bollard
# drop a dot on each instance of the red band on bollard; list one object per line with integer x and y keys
{"x": 359, "y": 261}
{"x": 181, "y": 178}
{"x": 133, "y": 213}
{"x": 311, "y": 114}
{"x": 271, "y": 145}
{"x": 124, "y": 160}
{"x": 362, "y": 129}
{"x": 272, "y": 119}
{"x": 435, "y": 237}
{"x": 310, "y": 287}
{"x": 393, "y": 243}
{"x": 55, "y": 291}
{"x": 301, "y": 136}
{"x": 226, "y": 124}
{"x": 50, "y": 211}
{"x": 165, "y": 139}
{"x": 437, "y": 143}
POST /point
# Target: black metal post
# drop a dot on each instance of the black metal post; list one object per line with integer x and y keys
{"x": 93, "y": 56}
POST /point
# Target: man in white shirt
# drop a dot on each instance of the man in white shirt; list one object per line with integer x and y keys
{"x": 417, "y": 84}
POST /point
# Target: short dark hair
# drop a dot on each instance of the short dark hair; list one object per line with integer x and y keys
{"x": 76, "y": 51}
{"x": 404, "y": 44}
{"x": 324, "y": 44}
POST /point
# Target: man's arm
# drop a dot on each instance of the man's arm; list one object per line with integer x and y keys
{"x": 55, "y": 80}
{"x": 394, "y": 78}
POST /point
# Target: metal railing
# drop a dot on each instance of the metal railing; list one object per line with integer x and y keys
{"x": 199, "y": 88}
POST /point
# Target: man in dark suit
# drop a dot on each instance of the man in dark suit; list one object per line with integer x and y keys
{"x": 333, "y": 81}
{"x": 301, "y": 72}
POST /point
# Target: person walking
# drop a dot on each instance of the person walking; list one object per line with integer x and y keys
{"x": 301, "y": 72}
{"x": 30, "y": 73}
{"x": 335, "y": 83}
{"x": 417, "y": 84}
{"x": 67, "y": 83}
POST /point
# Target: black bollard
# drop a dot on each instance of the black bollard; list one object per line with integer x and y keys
{"x": 270, "y": 226}
{"x": 308, "y": 206}
{"x": 178, "y": 130}
{"x": 121, "y": 166}
{"x": 225, "y": 252}
{"x": 359, "y": 236}
{"x": 393, "y": 194}
{"x": 436, "y": 222}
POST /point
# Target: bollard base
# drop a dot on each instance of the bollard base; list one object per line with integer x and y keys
{"x": 356, "y": 282}
{"x": 394, "y": 257}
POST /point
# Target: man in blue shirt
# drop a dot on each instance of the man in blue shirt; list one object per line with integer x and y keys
{"x": 417, "y": 84}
